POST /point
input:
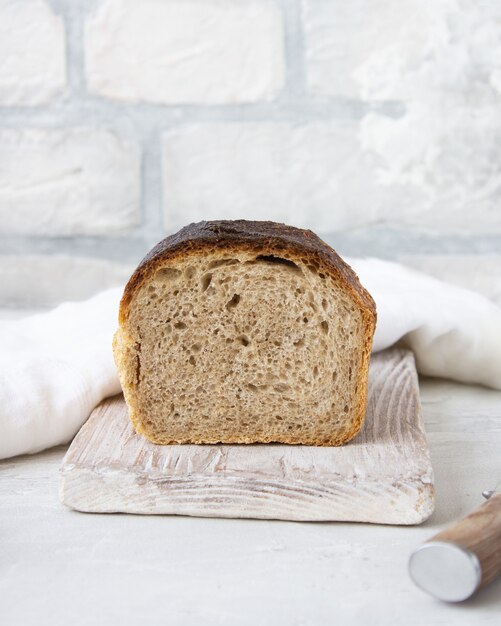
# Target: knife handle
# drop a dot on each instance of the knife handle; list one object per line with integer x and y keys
{"x": 462, "y": 558}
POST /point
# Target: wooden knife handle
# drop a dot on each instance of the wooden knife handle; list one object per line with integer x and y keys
{"x": 463, "y": 558}
{"x": 480, "y": 533}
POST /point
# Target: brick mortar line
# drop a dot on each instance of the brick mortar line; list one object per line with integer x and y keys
{"x": 66, "y": 112}
{"x": 295, "y": 87}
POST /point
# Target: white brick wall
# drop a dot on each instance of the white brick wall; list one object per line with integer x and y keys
{"x": 32, "y": 54}
{"x": 440, "y": 160}
{"x": 376, "y": 124}
{"x": 185, "y": 51}
{"x": 340, "y": 35}
{"x": 67, "y": 182}
{"x": 302, "y": 174}
{"x": 318, "y": 175}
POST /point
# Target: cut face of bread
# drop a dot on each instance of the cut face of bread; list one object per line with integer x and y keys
{"x": 244, "y": 341}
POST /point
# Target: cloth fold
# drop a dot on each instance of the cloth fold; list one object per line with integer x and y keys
{"x": 454, "y": 332}
{"x": 55, "y": 367}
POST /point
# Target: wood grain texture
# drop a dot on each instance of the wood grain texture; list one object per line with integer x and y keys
{"x": 383, "y": 476}
{"x": 480, "y": 533}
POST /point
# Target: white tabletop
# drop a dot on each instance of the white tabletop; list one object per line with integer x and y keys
{"x": 62, "y": 567}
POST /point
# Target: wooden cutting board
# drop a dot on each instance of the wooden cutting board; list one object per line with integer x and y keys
{"x": 383, "y": 476}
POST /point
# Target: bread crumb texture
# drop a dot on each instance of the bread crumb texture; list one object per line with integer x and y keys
{"x": 244, "y": 343}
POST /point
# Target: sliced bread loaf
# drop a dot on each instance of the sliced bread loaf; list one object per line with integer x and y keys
{"x": 241, "y": 332}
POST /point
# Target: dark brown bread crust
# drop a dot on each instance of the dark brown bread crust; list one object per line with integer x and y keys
{"x": 229, "y": 234}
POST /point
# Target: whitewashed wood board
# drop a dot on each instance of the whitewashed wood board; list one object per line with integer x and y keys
{"x": 382, "y": 476}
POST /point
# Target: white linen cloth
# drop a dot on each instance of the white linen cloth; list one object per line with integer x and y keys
{"x": 56, "y": 367}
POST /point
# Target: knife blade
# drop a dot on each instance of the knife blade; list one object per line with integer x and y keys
{"x": 461, "y": 559}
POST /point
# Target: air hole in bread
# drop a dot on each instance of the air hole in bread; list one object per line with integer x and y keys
{"x": 206, "y": 281}
{"x": 324, "y": 326}
{"x": 281, "y": 387}
{"x": 138, "y": 363}
{"x": 243, "y": 340}
{"x": 167, "y": 274}
{"x": 233, "y": 302}
{"x": 271, "y": 258}
{"x": 222, "y": 262}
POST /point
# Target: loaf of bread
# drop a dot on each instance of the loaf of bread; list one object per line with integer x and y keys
{"x": 242, "y": 332}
